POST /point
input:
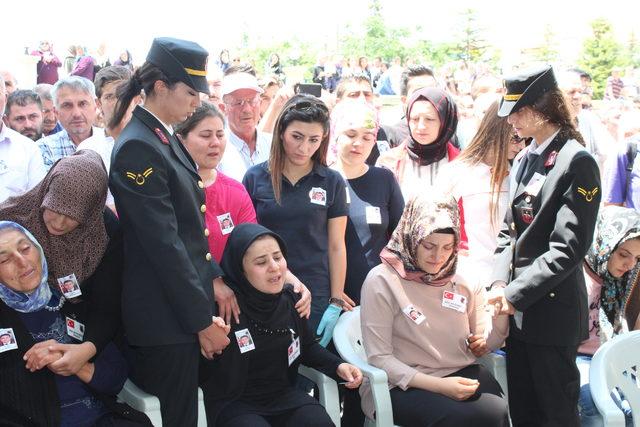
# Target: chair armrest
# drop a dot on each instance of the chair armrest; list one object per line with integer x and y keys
{"x": 379, "y": 384}
{"x": 328, "y": 388}
{"x": 600, "y": 392}
{"x": 497, "y": 365}
{"x": 132, "y": 395}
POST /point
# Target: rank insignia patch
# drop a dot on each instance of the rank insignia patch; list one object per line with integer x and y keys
{"x": 588, "y": 195}
{"x": 140, "y": 178}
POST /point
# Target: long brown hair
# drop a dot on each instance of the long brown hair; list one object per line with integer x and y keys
{"x": 553, "y": 107}
{"x": 301, "y": 108}
{"x": 491, "y": 142}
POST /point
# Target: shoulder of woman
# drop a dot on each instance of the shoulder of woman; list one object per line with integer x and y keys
{"x": 261, "y": 170}
{"x": 462, "y": 280}
{"x": 227, "y": 181}
{"x": 382, "y": 279}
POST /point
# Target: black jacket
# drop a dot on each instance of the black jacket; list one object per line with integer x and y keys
{"x": 168, "y": 273}
{"x": 543, "y": 243}
{"x": 223, "y": 379}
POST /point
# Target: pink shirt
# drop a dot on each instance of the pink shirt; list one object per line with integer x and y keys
{"x": 594, "y": 287}
{"x": 228, "y": 204}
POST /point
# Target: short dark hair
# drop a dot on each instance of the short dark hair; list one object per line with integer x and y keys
{"x": 205, "y": 110}
{"x": 411, "y": 72}
{"x": 22, "y": 98}
{"x": 241, "y": 68}
{"x": 353, "y": 78}
{"x": 109, "y": 74}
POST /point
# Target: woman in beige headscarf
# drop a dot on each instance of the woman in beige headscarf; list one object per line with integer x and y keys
{"x": 424, "y": 325}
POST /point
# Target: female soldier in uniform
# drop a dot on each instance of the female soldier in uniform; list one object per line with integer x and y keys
{"x": 538, "y": 279}
{"x": 167, "y": 296}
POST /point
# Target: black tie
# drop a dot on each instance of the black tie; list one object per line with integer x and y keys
{"x": 527, "y": 165}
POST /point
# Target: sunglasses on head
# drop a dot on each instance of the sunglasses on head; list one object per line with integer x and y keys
{"x": 309, "y": 106}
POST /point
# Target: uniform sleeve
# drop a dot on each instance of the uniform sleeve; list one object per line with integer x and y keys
{"x": 150, "y": 213}
{"x": 571, "y": 236}
{"x": 615, "y": 181}
{"x": 376, "y": 319}
{"x": 396, "y": 203}
{"x": 339, "y": 207}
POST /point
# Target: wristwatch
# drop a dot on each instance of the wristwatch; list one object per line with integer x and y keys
{"x": 337, "y": 301}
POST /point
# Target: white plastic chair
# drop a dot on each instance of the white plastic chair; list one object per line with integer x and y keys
{"x": 615, "y": 367}
{"x": 132, "y": 395}
{"x": 347, "y": 338}
{"x": 150, "y": 405}
{"x": 328, "y": 392}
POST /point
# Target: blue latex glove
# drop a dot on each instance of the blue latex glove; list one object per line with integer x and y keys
{"x": 327, "y": 323}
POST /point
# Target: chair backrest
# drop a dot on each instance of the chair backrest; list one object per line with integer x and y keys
{"x": 618, "y": 361}
{"x": 347, "y": 337}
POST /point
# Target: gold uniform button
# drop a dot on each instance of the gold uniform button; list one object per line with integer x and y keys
{"x": 552, "y": 295}
{"x": 511, "y": 266}
{"x": 208, "y": 256}
{"x": 200, "y": 184}
{"x": 513, "y": 226}
{"x": 206, "y": 232}
{"x": 203, "y": 208}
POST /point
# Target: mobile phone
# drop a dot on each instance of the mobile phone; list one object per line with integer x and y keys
{"x": 314, "y": 89}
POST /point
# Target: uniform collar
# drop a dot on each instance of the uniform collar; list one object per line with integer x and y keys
{"x": 169, "y": 128}
{"x": 539, "y": 149}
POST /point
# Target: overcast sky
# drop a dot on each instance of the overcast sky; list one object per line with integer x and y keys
{"x": 510, "y": 25}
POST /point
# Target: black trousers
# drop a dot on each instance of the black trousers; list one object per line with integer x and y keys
{"x": 170, "y": 372}
{"x": 421, "y": 408}
{"x": 312, "y": 415}
{"x": 544, "y": 384}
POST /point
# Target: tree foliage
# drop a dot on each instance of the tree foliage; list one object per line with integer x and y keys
{"x": 600, "y": 53}
{"x": 547, "y": 51}
{"x": 470, "y": 46}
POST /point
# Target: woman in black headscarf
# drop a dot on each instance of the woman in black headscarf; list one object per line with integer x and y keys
{"x": 432, "y": 117}
{"x": 252, "y": 383}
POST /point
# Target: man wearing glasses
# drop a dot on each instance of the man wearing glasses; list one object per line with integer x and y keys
{"x": 241, "y": 104}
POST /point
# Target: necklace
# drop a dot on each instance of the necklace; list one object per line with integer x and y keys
{"x": 261, "y": 330}
{"x": 58, "y": 307}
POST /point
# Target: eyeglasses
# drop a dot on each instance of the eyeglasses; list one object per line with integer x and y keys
{"x": 241, "y": 102}
{"x": 515, "y": 139}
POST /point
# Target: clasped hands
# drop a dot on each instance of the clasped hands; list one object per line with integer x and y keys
{"x": 498, "y": 303}
{"x": 61, "y": 359}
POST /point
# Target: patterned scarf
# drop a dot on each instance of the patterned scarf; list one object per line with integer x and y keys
{"x": 422, "y": 216}
{"x": 20, "y": 301}
{"x": 448, "y": 114}
{"x": 76, "y": 186}
{"x": 615, "y": 226}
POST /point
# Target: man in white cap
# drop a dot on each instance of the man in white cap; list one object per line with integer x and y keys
{"x": 241, "y": 104}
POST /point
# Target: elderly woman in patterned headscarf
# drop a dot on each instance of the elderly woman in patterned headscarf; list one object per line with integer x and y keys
{"x": 611, "y": 276}
{"x": 425, "y": 325}
{"x": 66, "y": 213}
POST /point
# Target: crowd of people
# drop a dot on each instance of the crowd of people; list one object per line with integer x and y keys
{"x": 189, "y": 228}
